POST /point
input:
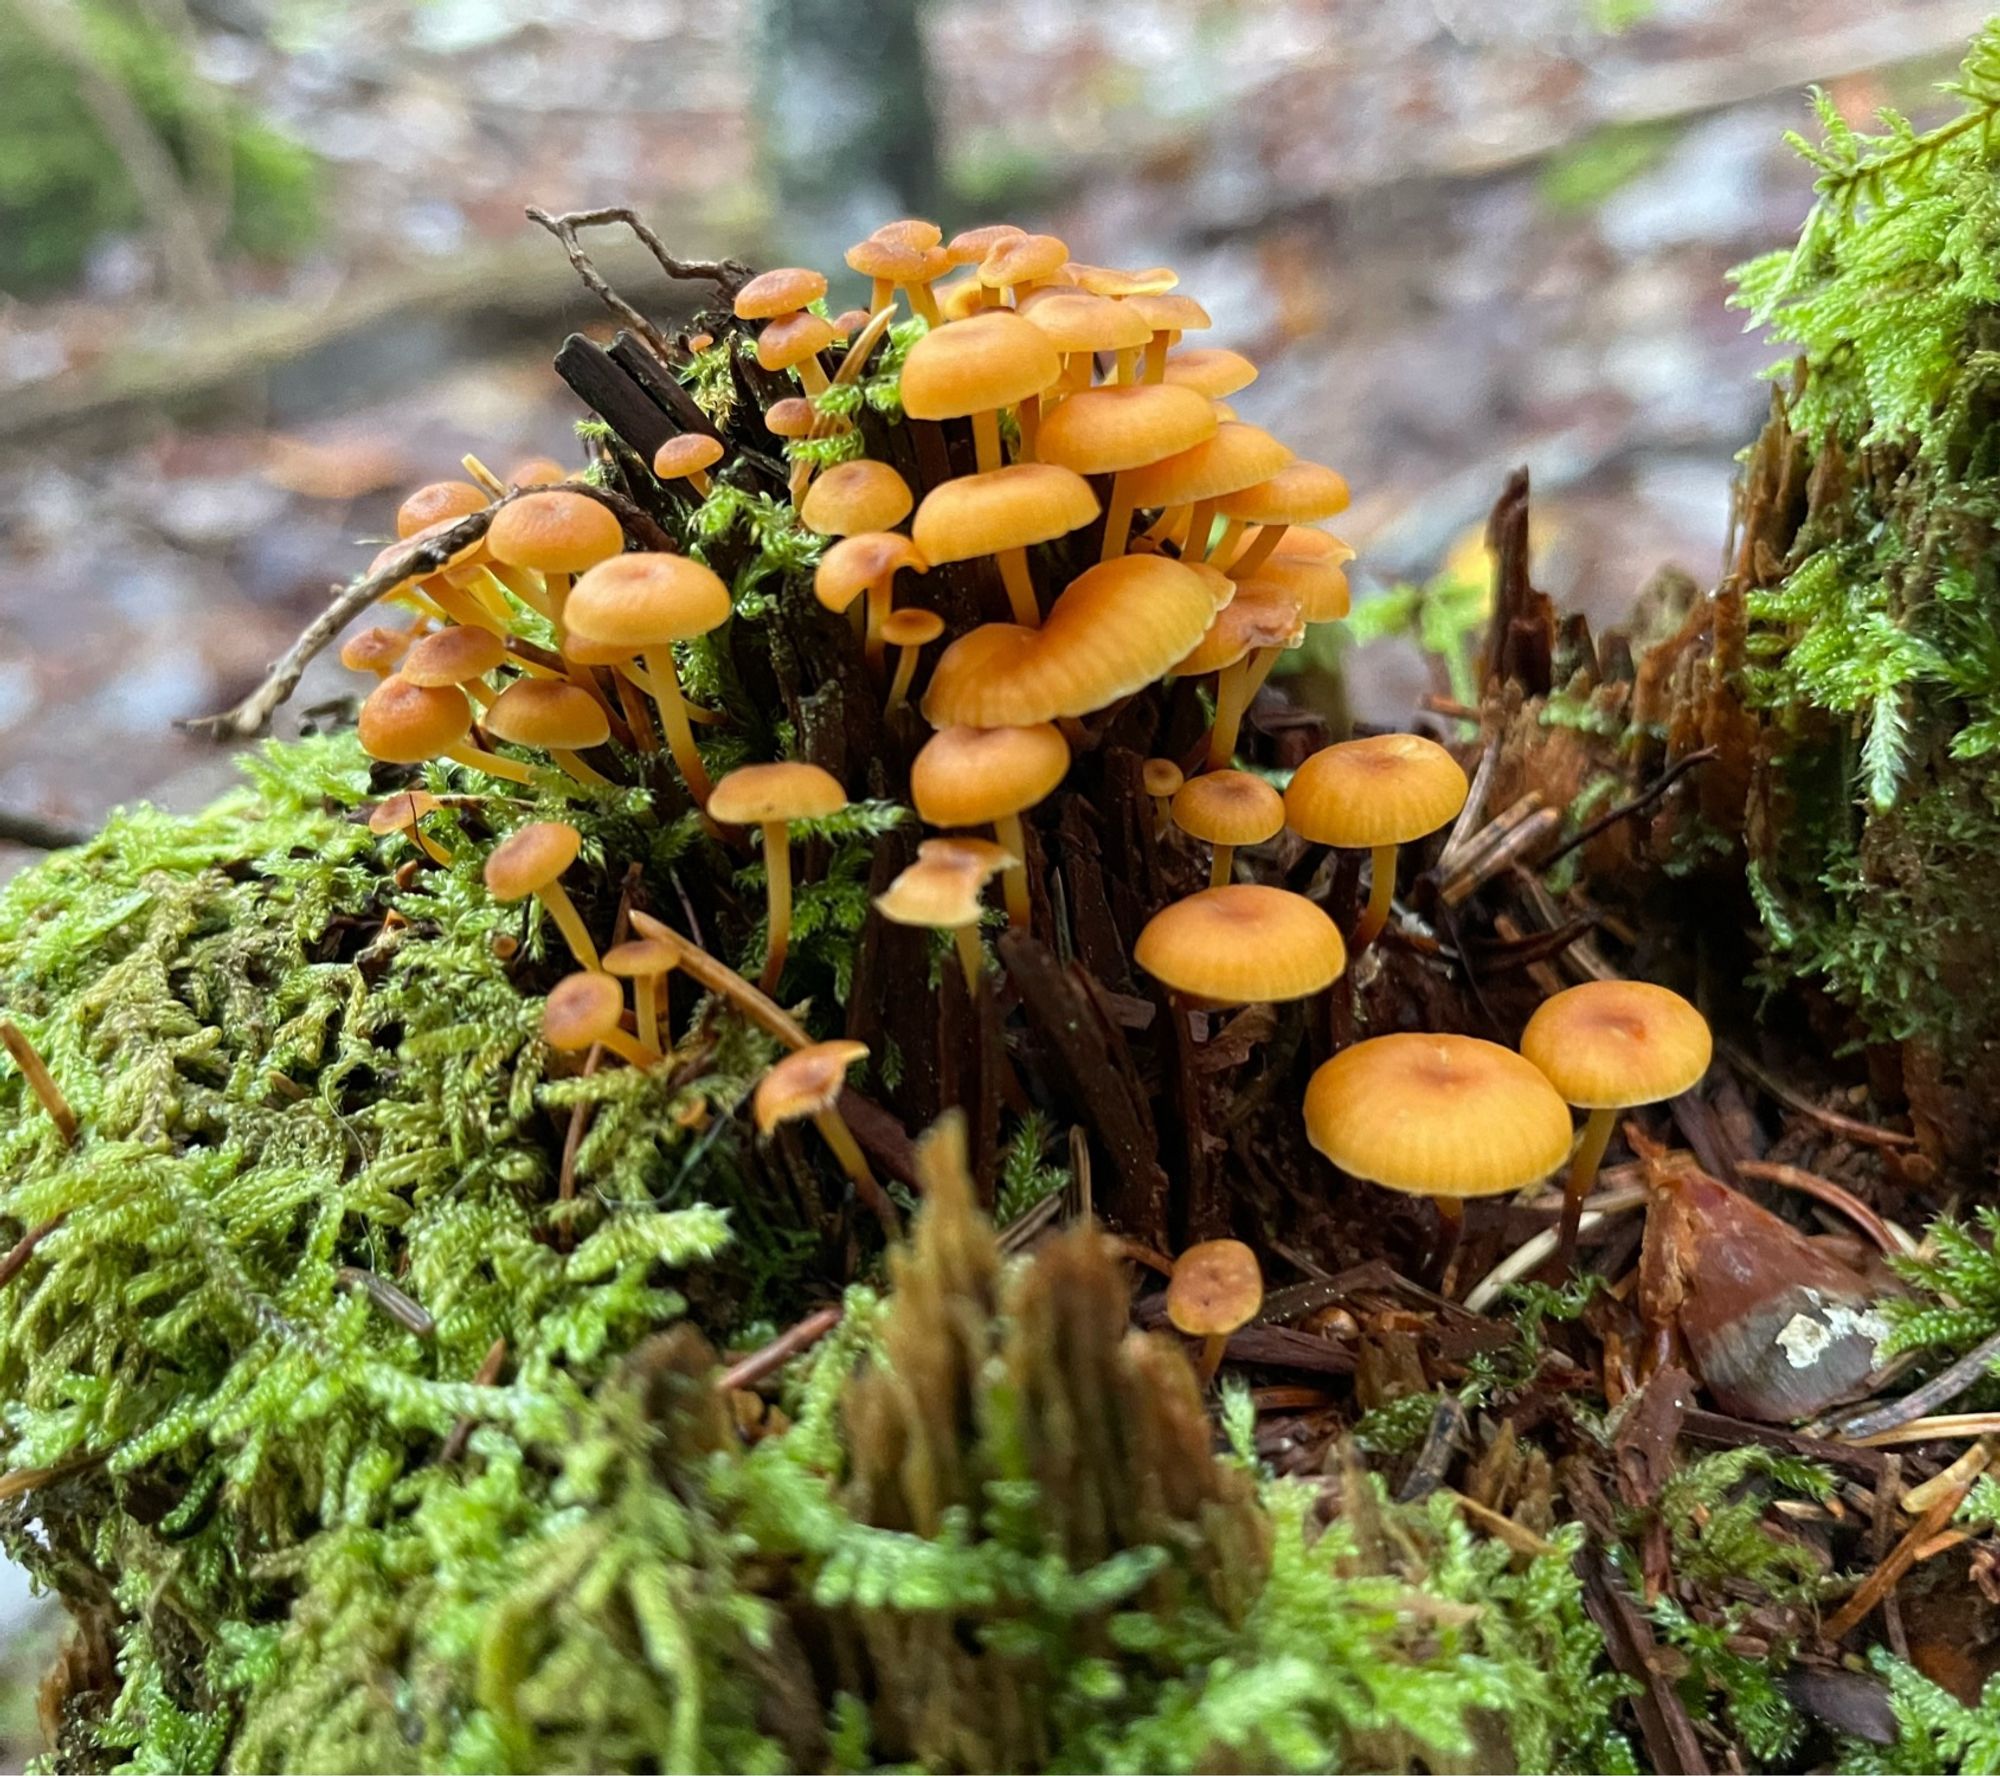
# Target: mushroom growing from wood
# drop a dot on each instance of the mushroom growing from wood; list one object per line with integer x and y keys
{"x": 987, "y": 776}
{"x": 1216, "y": 1289}
{"x": 769, "y": 797}
{"x": 531, "y": 860}
{"x": 806, "y": 1085}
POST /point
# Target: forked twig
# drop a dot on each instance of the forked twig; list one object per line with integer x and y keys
{"x": 727, "y": 275}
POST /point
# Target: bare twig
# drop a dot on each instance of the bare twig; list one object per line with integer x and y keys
{"x": 40, "y": 1080}
{"x": 486, "y": 1375}
{"x": 1891, "y": 1240}
{"x": 16, "y": 1260}
{"x": 1900, "y": 1559}
{"x": 727, "y": 275}
{"x": 1637, "y": 805}
{"x": 407, "y": 1313}
{"x": 1940, "y": 1390}
{"x": 780, "y": 1351}
{"x": 1865, "y": 1132}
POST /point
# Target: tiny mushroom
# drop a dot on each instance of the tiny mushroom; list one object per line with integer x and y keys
{"x": 782, "y": 290}
{"x": 1002, "y": 513}
{"x": 909, "y": 632}
{"x": 794, "y": 342}
{"x": 588, "y": 1008}
{"x": 378, "y": 650}
{"x": 403, "y": 812}
{"x": 891, "y": 265}
{"x": 1216, "y": 1289}
{"x": 688, "y": 457}
{"x": 1228, "y": 808}
{"x": 974, "y": 368}
{"x": 441, "y": 502}
{"x": 1380, "y": 792}
{"x": 942, "y": 891}
{"x": 1211, "y": 370}
{"x": 406, "y": 724}
{"x": 980, "y": 776}
{"x": 855, "y": 497}
{"x": 531, "y": 860}
{"x": 1241, "y": 944}
{"x": 457, "y": 655}
{"x": 806, "y": 1085}
{"x": 867, "y": 563}
{"x": 1162, "y": 779}
{"x": 770, "y": 797}
{"x": 1607, "y": 1046}
{"x": 1021, "y": 261}
{"x": 1168, "y": 316}
{"x": 645, "y": 962}
{"x": 553, "y": 714}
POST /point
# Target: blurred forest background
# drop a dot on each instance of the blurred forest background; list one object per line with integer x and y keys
{"x": 263, "y": 267}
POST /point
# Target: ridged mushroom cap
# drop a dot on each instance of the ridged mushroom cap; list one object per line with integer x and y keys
{"x": 1243, "y": 944}
{"x": 1607, "y": 1045}
{"x": 1386, "y": 789}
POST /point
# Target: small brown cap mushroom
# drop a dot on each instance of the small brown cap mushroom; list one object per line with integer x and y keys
{"x": 912, "y": 626}
{"x": 1022, "y": 259}
{"x": 530, "y": 858}
{"x": 1161, "y": 777}
{"x": 1242, "y": 944}
{"x": 582, "y": 1009}
{"x": 1216, "y": 1289}
{"x": 856, "y": 562}
{"x": 452, "y": 656}
{"x": 779, "y": 292}
{"x": 791, "y": 339}
{"x": 1229, "y": 808}
{"x": 374, "y": 650}
{"x": 941, "y": 890}
{"x": 640, "y": 957}
{"x": 401, "y": 811}
{"x": 991, "y": 359}
{"x": 548, "y": 712}
{"x": 686, "y": 454}
{"x": 969, "y": 776}
{"x": 912, "y": 232}
{"x": 537, "y": 471}
{"x": 753, "y": 795}
{"x": 792, "y": 417}
{"x": 1211, "y": 370}
{"x": 1612, "y": 1044}
{"x": 1386, "y": 789}
{"x": 806, "y": 1082}
{"x": 856, "y": 496}
{"x": 1106, "y": 280}
{"x": 442, "y": 502}
{"x": 404, "y": 724}
{"x": 645, "y": 601}
{"x": 554, "y": 532}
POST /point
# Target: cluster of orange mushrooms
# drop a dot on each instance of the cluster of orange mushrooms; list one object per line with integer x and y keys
{"x": 1089, "y": 412}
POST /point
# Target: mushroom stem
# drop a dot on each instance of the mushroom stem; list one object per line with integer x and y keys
{"x": 557, "y": 903}
{"x": 40, "y": 1080}
{"x": 881, "y": 295}
{"x": 1232, "y": 686}
{"x": 986, "y": 439}
{"x": 1256, "y": 552}
{"x": 1118, "y": 520}
{"x": 839, "y": 1137}
{"x": 971, "y": 957}
{"x": 1201, "y": 520}
{"x": 778, "y": 891}
{"x": 1014, "y": 882}
{"x": 1156, "y": 358}
{"x": 813, "y": 374}
{"x": 1163, "y": 816}
{"x": 1232, "y": 528}
{"x": 477, "y": 759}
{"x": 1451, "y": 1229}
{"x": 726, "y": 983}
{"x": 638, "y": 717}
{"x": 1212, "y": 1348}
{"x": 906, "y": 669}
{"x": 1020, "y": 588}
{"x": 878, "y": 600}
{"x": 1582, "y": 1172}
{"x": 925, "y": 303}
{"x": 524, "y": 587}
{"x": 587, "y": 775}
{"x": 1381, "y": 896}
{"x": 460, "y": 605}
{"x": 630, "y": 1049}
{"x": 1128, "y": 358}
{"x": 698, "y": 480}
{"x": 1261, "y": 662}
{"x": 1029, "y": 416}
{"x": 660, "y": 667}
{"x": 1218, "y": 868}
{"x": 425, "y": 843}
{"x": 647, "y": 991}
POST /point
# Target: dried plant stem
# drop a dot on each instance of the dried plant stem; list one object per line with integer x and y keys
{"x": 40, "y": 1080}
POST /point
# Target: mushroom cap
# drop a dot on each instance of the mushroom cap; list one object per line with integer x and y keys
{"x": 640, "y": 958}
{"x": 856, "y": 496}
{"x": 1301, "y": 542}
{"x": 1010, "y": 508}
{"x": 1299, "y": 493}
{"x": 581, "y": 1009}
{"x": 554, "y": 532}
{"x": 1076, "y": 321}
{"x": 453, "y": 655}
{"x": 530, "y": 858}
{"x": 1117, "y": 628}
{"x": 1161, "y": 777}
{"x": 687, "y": 454}
{"x": 988, "y": 360}
{"x": 1384, "y": 790}
{"x": 1106, "y": 280}
{"x": 401, "y": 811}
{"x": 1258, "y": 616}
{"x": 1211, "y": 370}
{"x": 1222, "y": 589}
{"x": 1610, "y": 1044}
{"x": 1437, "y": 1115}
{"x": 960, "y": 299}
{"x": 847, "y": 323}
{"x": 1238, "y": 456}
{"x": 909, "y": 231}
{"x": 537, "y": 471}
{"x": 894, "y": 261}
{"x": 753, "y": 795}
{"x": 375, "y": 649}
{"x": 970, "y": 245}
{"x": 1243, "y": 944}
{"x": 969, "y": 776}
{"x": 547, "y": 712}
{"x": 804, "y": 1083}
{"x": 646, "y": 601}
{"x": 1104, "y": 430}
{"x": 1022, "y": 259}
{"x": 793, "y": 338}
{"x": 1216, "y": 1287}
{"x": 1317, "y": 585}
{"x": 1229, "y": 808}
{"x": 857, "y": 562}
{"x": 442, "y": 502}
{"x": 941, "y": 890}
{"x": 912, "y": 626}
{"x": 404, "y": 724}
{"x": 782, "y": 290}
{"x": 1163, "y": 313}
{"x": 792, "y": 417}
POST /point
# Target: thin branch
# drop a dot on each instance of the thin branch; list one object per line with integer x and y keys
{"x": 1940, "y": 1390}
{"x": 780, "y": 1351}
{"x": 727, "y": 275}
{"x": 1637, "y": 805}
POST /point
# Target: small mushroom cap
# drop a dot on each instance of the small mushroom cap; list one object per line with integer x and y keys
{"x": 640, "y": 958}
{"x": 970, "y": 245}
{"x": 1010, "y": 508}
{"x": 857, "y": 562}
{"x": 1022, "y": 259}
{"x": 988, "y": 360}
{"x": 1243, "y": 944}
{"x": 968, "y": 776}
{"x": 1106, "y": 280}
{"x": 530, "y": 858}
{"x": 1437, "y": 1115}
{"x": 791, "y": 418}
{"x": 537, "y": 471}
{"x": 375, "y": 649}
{"x": 401, "y": 548}
{"x": 1076, "y": 321}
{"x": 912, "y": 232}
{"x": 1211, "y": 370}
{"x": 1317, "y": 585}
{"x": 1163, "y": 313}
{"x": 793, "y": 338}
{"x": 1162, "y": 777}
{"x": 1229, "y": 808}
{"x": 404, "y": 724}
{"x": 1303, "y": 543}
{"x": 1386, "y": 789}
{"x": 846, "y": 324}
{"x": 781, "y": 291}
{"x": 1257, "y": 617}
{"x": 1222, "y": 589}
{"x": 401, "y": 811}
{"x": 752, "y": 795}
{"x": 547, "y": 712}
{"x": 581, "y": 1009}
{"x": 1610, "y": 1044}
{"x": 687, "y": 454}
{"x": 554, "y": 532}
{"x": 646, "y": 601}
{"x": 856, "y": 496}
{"x": 442, "y": 502}
{"x": 912, "y": 626}
{"x": 1299, "y": 493}
{"x": 894, "y": 261}
{"x": 1117, "y": 628}
{"x": 1238, "y": 456}
{"x": 805, "y": 1082}
{"x": 941, "y": 890}
{"x": 451, "y": 656}
{"x": 1104, "y": 430}
{"x": 1216, "y": 1287}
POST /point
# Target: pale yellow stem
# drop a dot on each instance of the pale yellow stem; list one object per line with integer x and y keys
{"x": 1118, "y": 518}
{"x": 1232, "y": 528}
{"x": 587, "y": 775}
{"x": 925, "y": 303}
{"x": 1201, "y": 520}
{"x": 971, "y": 957}
{"x": 986, "y": 439}
{"x": 1156, "y": 358}
{"x": 646, "y": 1007}
{"x": 465, "y": 753}
{"x": 630, "y": 1049}
{"x": 645, "y": 737}
{"x": 665, "y": 677}
{"x": 1218, "y": 867}
{"x": 1256, "y": 552}
{"x": 778, "y": 894}
{"x": 557, "y": 903}
{"x": 1231, "y": 684}
{"x": 1128, "y": 358}
{"x": 1020, "y": 587}
{"x": 1381, "y": 898}
{"x": 1014, "y": 882}
{"x": 839, "y": 1137}
{"x": 906, "y": 669}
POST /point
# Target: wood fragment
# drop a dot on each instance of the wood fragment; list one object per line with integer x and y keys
{"x": 1889, "y": 1572}
{"x": 23, "y": 1249}
{"x": 1671, "y": 1744}
{"x": 391, "y": 1300}
{"x": 767, "y": 1359}
{"x": 40, "y": 1080}
{"x": 1942, "y": 1388}
{"x": 486, "y": 1375}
